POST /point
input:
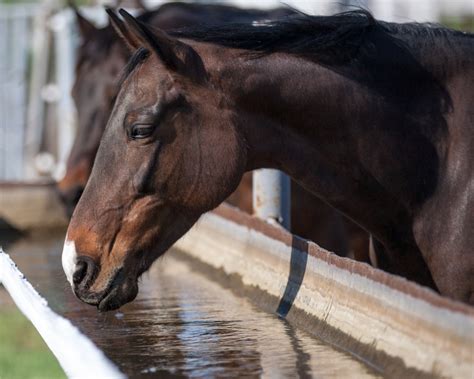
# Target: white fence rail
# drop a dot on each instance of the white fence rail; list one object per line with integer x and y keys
{"x": 77, "y": 354}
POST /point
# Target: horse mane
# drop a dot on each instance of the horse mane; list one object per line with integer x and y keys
{"x": 325, "y": 38}
{"x": 301, "y": 35}
{"x": 105, "y": 38}
{"x": 357, "y": 46}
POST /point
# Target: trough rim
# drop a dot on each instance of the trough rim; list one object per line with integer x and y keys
{"x": 33, "y": 183}
{"x": 393, "y": 281}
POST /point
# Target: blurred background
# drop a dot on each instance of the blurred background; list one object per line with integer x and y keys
{"x": 37, "y": 55}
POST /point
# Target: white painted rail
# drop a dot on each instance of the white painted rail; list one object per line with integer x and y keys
{"x": 77, "y": 355}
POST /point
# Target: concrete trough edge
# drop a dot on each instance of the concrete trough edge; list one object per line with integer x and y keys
{"x": 24, "y": 206}
{"x": 386, "y": 320}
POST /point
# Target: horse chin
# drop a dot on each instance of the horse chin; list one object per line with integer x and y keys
{"x": 119, "y": 295}
{"x": 121, "y": 290}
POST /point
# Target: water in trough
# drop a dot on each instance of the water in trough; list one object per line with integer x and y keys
{"x": 184, "y": 324}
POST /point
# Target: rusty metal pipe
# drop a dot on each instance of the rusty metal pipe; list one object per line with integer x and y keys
{"x": 271, "y": 196}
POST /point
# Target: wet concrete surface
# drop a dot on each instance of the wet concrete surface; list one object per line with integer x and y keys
{"x": 184, "y": 324}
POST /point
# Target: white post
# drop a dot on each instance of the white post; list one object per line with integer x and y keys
{"x": 383, "y": 10}
{"x": 39, "y": 77}
{"x": 62, "y": 24}
{"x": 324, "y": 7}
{"x": 424, "y": 10}
{"x": 271, "y": 196}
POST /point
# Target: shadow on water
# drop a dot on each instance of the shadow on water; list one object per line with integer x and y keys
{"x": 298, "y": 262}
{"x": 302, "y": 358}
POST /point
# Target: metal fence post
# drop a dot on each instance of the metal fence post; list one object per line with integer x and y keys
{"x": 271, "y": 196}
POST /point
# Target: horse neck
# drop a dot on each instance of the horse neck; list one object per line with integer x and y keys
{"x": 441, "y": 51}
{"x": 282, "y": 100}
{"x": 312, "y": 122}
{"x": 288, "y": 111}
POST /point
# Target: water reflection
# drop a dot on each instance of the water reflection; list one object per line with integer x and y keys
{"x": 183, "y": 324}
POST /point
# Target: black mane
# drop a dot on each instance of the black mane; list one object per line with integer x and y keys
{"x": 334, "y": 38}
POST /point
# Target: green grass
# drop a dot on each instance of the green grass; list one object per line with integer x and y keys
{"x": 23, "y": 353}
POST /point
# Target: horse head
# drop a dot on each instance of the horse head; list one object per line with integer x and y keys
{"x": 158, "y": 168}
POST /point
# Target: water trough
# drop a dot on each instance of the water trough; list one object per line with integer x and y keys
{"x": 398, "y": 327}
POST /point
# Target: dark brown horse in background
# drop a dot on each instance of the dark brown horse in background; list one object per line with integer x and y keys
{"x": 101, "y": 58}
{"x": 374, "y": 118}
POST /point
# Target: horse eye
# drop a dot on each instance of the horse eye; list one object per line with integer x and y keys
{"x": 141, "y": 131}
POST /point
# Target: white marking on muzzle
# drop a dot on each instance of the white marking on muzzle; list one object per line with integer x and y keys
{"x": 69, "y": 259}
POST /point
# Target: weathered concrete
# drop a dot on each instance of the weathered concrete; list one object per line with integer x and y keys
{"x": 383, "y": 318}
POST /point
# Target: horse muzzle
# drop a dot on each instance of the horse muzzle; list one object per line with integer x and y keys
{"x": 119, "y": 290}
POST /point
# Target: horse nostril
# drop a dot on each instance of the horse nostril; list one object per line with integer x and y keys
{"x": 80, "y": 273}
{"x": 84, "y": 273}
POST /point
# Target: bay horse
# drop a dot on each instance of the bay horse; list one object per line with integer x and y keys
{"x": 101, "y": 57}
{"x": 374, "y": 118}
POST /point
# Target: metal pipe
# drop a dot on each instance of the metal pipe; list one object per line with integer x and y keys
{"x": 271, "y": 196}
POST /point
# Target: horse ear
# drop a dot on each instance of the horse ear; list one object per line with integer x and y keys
{"x": 86, "y": 27}
{"x": 133, "y": 43}
{"x": 176, "y": 55}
